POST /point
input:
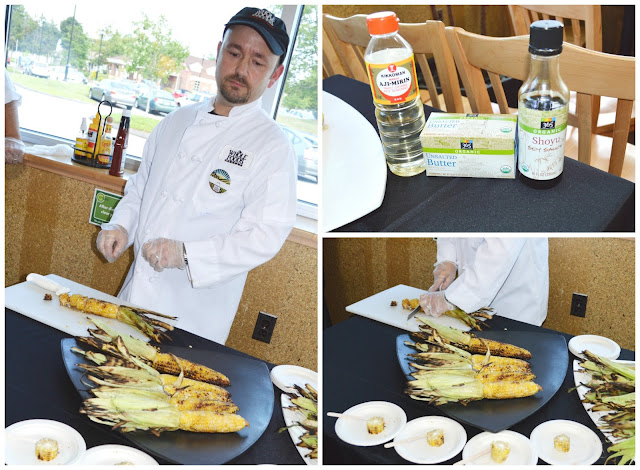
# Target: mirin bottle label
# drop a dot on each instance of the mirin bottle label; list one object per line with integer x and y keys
{"x": 541, "y": 140}
{"x": 393, "y": 83}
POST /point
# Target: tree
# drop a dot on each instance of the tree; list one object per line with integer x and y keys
{"x": 79, "y": 42}
{"x": 22, "y": 25}
{"x": 152, "y": 51}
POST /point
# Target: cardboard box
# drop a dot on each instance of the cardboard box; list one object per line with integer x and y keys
{"x": 470, "y": 145}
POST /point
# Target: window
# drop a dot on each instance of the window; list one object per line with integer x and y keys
{"x": 62, "y": 58}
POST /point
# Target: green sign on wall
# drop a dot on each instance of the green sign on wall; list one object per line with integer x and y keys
{"x": 104, "y": 203}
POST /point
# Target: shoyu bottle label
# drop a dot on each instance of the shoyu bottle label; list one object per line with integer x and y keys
{"x": 541, "y": 139}
{"x": 393, "y": 83}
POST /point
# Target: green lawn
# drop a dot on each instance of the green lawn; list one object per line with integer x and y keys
{"x": 310, "y": 126}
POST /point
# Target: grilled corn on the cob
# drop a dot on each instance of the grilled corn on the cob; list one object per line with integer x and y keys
{"x": 500, "y": 451}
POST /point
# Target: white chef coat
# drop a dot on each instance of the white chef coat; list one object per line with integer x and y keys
{"x": 10, "y": 93}
{"x": 226, "y": 187}
{"x": 510, "y": 275}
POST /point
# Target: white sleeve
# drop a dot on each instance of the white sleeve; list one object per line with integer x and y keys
{"x": 479, "y": 283}
{"x": 446, "y": 250}
{"x": 10, "y": 93}
{"x": 266, "y": 221}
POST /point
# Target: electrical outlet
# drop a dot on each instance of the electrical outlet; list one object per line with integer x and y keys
{"x": 579, "y": 305}
{"x": 264, "y": 327}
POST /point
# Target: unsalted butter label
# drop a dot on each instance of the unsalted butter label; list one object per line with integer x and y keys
{"x": 103, "y": 206}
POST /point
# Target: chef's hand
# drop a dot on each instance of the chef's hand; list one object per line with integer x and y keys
{"x": 443, "y": 275}
{"x": 112, "y": 241}
{"x": 13, "y": 150}
{"x": 163, "y": 253}
{"x": 435, "y": 303}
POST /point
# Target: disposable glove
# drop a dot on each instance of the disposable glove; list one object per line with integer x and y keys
{"x": 13, "y": 150}
{"x": 112, "y": 241}
{"x": 435, "y": 303}
{"x": 163, "y": 253}
{"x": 443, "y": 275}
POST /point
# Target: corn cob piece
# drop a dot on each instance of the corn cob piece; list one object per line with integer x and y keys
{"x": 505, "y": 389}
{"x": 562, "y": 443}
{"x": 435, "y": 438}
{"x": 208, "y": 421}
{"x": 500, "y": 451}
{"x": 198, "y": 404}
{"x": 375, "y": 425}
{"x": 46, "y": 449}
{"x": 138, "y": 318}
{"x": 174, "y": 385}
{"x": 170, "y": 364}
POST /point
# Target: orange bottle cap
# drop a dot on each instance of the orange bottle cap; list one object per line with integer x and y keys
{"x": 383, "y": 22}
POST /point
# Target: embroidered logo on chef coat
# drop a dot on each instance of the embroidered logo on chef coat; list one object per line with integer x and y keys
{"x": 236, "y": 156}
{"x": 219, "y": 181}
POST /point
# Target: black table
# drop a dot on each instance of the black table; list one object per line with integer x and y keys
{"x": 360, "y": 365}
{"x": 38, "y": 387}
{"x": 586, "y": 200}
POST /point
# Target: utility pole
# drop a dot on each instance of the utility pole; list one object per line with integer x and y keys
{"x": 99, "y": 54}
{"x": 73, "y": 23}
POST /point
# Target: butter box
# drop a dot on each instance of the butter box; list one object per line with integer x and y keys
{"x": 471, "y": 145}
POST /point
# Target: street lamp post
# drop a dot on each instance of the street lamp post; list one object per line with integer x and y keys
{"x": 73, "y": 23}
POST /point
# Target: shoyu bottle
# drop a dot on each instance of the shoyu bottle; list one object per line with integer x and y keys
{"x": 543, "y": 103}
{"x": 394, "y": 84}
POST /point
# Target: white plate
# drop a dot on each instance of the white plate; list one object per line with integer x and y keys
{"x": 522, "y": 452}
{"x": 114, "y": 454}
{"x": 354, "y": 170}
{"x": 354, "y": 431}
{"x": 20, "y": 442}
{"x": 419, "y": 451}
{"x": 585, "y": 446}
{"x": 580, "y": 377}
{"x": 291, "y": 417}
{"x": 598, "y": 345}
{"x": 285, "y": 376}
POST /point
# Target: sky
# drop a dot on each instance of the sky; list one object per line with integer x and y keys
{"x": 196, "y": 24}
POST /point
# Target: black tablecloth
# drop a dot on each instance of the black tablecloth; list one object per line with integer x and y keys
{"x": 586, "y": 200}
{"x": 360, "y": 365}
{"x": 38, "y": 387}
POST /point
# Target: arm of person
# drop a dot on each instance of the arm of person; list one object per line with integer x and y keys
{"x": 263, "y": 227}
{"x": 480, "y": 282}
{"x": 11, "y": 122}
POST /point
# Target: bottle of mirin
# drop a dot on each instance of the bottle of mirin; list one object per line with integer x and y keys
{"x": 394, "y": 84}
{"x": 543, "y": 104}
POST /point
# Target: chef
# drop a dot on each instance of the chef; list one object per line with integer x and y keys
{"x": 13, "y": 145}
{"x": 215, "y": 194}
{"x": 510, "y": 275}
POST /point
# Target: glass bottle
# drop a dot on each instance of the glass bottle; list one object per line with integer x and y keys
{"x": 543, "y": 104}
{"x": 394, "y": 85}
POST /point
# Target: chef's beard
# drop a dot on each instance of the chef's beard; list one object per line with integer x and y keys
{"x": 234, "y": 95}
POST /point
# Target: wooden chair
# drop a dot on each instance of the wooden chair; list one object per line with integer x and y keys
{"x": 586, "y": 72}
{"x": 345, "y": 40}
{"x": 583, "y": 27}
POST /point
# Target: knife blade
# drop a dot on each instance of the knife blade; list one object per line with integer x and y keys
{"x": 48, "y": 284}
{"x": 413, "y": 312}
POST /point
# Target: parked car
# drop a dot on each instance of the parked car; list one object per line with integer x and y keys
{"x": 73, "y": 75}
{"x": 40, "y": 69}
{"x": 194, "y": 97}
{"x": 115, "y": 92}
{"x": 306, "y": 148}
{"x": 160, "y": 101}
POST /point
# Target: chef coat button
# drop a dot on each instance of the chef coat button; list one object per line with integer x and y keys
{"x": 195, "y": 158}
{"x": 164, "y": 193}
{"x": 152, "y": 278}
{"x": 181, "y": 155}
{"x": 218, "y": 124}
{"x": 147, "y": 231}
{"x": 203, "y": 121}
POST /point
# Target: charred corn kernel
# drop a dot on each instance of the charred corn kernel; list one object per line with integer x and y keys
{"x": 504, "y": 389}
{"x": 208, "y": 421}
{"x": 190, "y": 403}
{"x": 197, "y": 394}
{"x": 497, "y": 348}
{"x": 406, "y": 304}
{"x": 166, "y": 363}
{"x": 488, "y": 376}
{"x": 46, "y": 449}
{"x": 375, "y": 425}
{"x": 500, "y": 451}
{"x": 478, "y": 360}
{"x": 190, "y": 384}
{"x": 435, "y": 438}
{"x": 100, "y": 307}
{"x": 562, "y": 442}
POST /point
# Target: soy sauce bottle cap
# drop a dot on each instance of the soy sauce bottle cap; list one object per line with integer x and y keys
{"x": 545, "y": 37}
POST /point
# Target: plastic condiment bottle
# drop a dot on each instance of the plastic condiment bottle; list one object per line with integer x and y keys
{"x": 122, "y": 139}
{"x": 543, "y": 104}
{"x": 394, "y": 85}
{"x": 81, "y": 140}
{"x": 92, "y": 136}
{"x": 104, "y": 156}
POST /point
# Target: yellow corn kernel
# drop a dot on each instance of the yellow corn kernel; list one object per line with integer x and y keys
{"x": 504, "y": 389}
{"x": 166, "y": 363}
{"x": 209, "y": 421}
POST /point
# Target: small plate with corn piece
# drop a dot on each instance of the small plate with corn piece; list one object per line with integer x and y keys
{"x": 502, "y": 448}
{"x": 286, "y": 376}
{"x": 371, "y": 423}
{"x": 115, "y": 454}
{"x": 599, "y": 345}
{"x": 42, "y": 441}
{"x": 564, "y": 442}
{"x": 430, "y": 439}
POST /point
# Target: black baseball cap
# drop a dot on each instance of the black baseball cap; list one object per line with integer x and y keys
{"x": 270, "y": 27}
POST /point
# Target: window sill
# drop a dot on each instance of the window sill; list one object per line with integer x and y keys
{"x": 64, "y": 166}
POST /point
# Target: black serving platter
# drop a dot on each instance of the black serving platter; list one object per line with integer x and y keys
{"x": 549, "y": 361}
{"x": 251, "y": 389}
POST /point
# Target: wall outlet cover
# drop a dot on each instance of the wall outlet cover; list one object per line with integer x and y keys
{"x": 264, "y": 327}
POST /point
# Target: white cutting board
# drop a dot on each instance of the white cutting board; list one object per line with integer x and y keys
{"x": 378, "y": 307}
{"x": 28, "y": 299}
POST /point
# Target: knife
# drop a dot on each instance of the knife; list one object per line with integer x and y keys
{"x": 48, "y": 284}
{"x": 413, "y": 312}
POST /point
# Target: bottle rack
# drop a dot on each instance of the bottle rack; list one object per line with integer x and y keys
{"x": 91, "y": 158}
